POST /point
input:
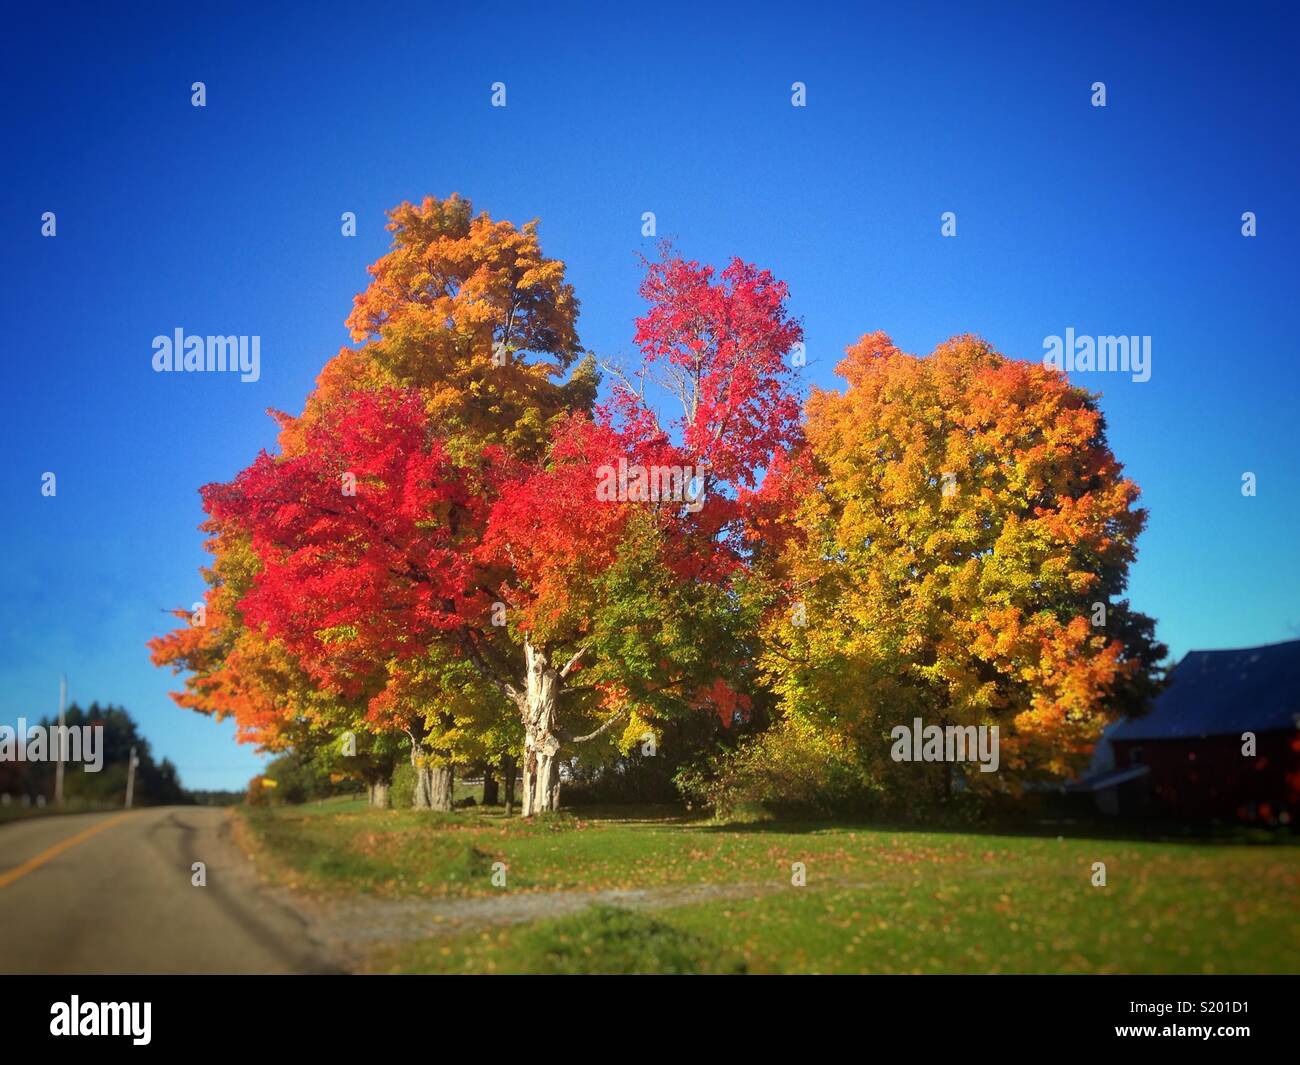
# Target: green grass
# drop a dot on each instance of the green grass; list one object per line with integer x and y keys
{"x": 340, "y": 804}
{"x": 876, "y": 900}
{"x": 609, "y": 941}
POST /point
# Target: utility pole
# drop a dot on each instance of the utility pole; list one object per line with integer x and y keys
{"x": 58, "y": 766}
{"x": 130, "y": 777}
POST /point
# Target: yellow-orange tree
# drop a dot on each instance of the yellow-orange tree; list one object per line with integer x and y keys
{"x": 473, "y": 314}
{"x": 962, "y": 536}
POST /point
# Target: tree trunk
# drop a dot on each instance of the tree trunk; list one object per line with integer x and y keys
{"x": 422, "y": 797}
{"x": 491, "y": 789}
{"x": 541, "y": 745}
{"x": 420, "y": 790}
{"x": 441, "y": 783}
{"x": 508, "y": 771}
{"x": 433, "y": 784}
{"x": 945, "y": 780}
{"x": 541, "y": 776}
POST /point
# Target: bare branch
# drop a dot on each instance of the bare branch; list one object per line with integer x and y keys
{"x": 600, "y": 731}
{"x": 614, "y": 369}
{"x": 569, "y": 665}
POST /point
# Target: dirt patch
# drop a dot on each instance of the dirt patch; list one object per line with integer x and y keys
{"x": 352, "y": 929}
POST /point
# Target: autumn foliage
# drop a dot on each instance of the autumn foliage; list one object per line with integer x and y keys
{"x": 425, "y": 559}
{"x": 962, "y": 559}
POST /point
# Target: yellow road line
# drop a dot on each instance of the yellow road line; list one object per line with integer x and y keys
{"x": 32, "y": 864}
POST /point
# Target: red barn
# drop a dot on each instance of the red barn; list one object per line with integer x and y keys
{"x": 1193, "y": 756}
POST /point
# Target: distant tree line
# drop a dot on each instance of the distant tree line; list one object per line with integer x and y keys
{"x": 156, "y": 783}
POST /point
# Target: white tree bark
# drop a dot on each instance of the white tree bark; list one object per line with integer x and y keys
{"x": 541, "y": 745}
{"x": 538, "y": 703}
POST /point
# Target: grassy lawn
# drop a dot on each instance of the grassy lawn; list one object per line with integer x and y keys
{"x": 875, "y": 900}
{"x": 342, "y": 804}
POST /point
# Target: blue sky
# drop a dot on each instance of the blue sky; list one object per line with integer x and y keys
{"x": 225, "y": 219}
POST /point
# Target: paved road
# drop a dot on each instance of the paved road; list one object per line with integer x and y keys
{"x": 111, "y": 893}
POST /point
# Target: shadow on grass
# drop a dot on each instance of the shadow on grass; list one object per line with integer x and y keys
{"x": 1042, "y": 826}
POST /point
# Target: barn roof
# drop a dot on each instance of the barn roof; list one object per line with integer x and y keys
{"x": 1219, "y": 693}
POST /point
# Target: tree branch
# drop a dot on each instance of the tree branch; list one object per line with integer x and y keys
{"x": 600, "y": 731}
{"x": 569, "y": 665}
{"x": 489, "y": 674}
